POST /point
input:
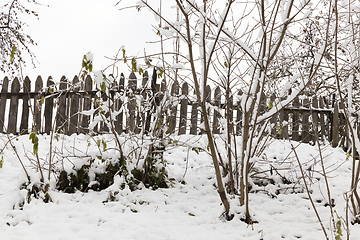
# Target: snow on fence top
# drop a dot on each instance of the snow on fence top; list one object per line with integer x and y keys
{"x": 38, "y": 109}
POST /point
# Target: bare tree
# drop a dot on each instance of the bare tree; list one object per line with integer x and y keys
{"x": 239, "y": 46}
{"x": 345, "y": 68}
{"x": 13, "y": 40}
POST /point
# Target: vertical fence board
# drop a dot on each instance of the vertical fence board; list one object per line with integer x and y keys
{"x": 163, "y": 89}
{"x": 24, "y": 125}
{"x": 322, "y": 120}
{"x": 14, "y": 102}
{"x": 273, "y": 119}
{"x": 118, "y": 106}
{"x": 49, "y": 103}
{"x": 305, "y": 127}
{"x": 173, "y": 109}
{"x": 183, "y": 109}
{"x": 61, "y": 118}
{"x": 335, "y": 126}
{"x": 239, "y": 114}
{"x": 86, "y": 104}
{"x": 5, "y": 87}
{"x": 194, "y": 118}
{"x": 343, "y": 130}
{"x": 231, "y": 113}
{"x": 315, "y": 120}
{"x": 37, "y": 104}
{"x": 74, "y": 108}
{"x": 151, "y": 101}
{"x": 145, "y": 103}
{"x": 284, "y": 123}
{"x": 295, "y": 121}
{"x": 132, "y": 103}
{"x": 207, "y": 100}
{"x": 262, "y": 107}
{"x": 103, "y": 127}
{"x": 217, "y": 115}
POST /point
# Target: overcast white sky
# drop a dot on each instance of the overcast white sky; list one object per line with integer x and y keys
{"x": 68, "y": 29}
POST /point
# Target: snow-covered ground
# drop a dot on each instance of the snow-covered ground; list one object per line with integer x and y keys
{"x": 190, "y": 211}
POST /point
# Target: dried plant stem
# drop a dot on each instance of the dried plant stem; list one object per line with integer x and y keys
{"x": 308, "y": 191}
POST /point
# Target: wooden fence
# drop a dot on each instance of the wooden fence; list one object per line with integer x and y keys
{"x": 38, "y": 110}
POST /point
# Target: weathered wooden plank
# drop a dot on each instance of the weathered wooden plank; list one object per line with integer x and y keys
{"x": 262, "y": 107}
{"x": 173, "y": 111}
{"x": 284, "y": 122}
{"x": 151, "y": 100}
{"x": 132, "y": 103}
{"x": 119, "y": 105}
{"x": 163, "y": 89}
{"x": 161, "y": 120}
{"x": 239, "y": 114}
{"x": 103, "y": 125}
{"x": 217, "y": 115}
{"x": 305, "y": 127}
{"x": 145, "y": 101}
{"x": 207, "y": 100}
{"x": 335, "y": 126}
{"x": 61, "y": 117}
{"x": 49, "y": 103}
{"x": 183, "y": 109}
{"x": 194, "y": 118}
{"x": 343, "y": 128}
{"x": 86, "y": 104}
{"x": 14, "y": 102}
{"x": 231, "y": 113}
{"x": 5, "y": 87}
{"x": 24, "y": 125}
{"x": 322, "y": 119}
{"x": 295, "y": 121}
{"x": 328, "y": 118}
{"x": 315, "y": 120}
{"x": 74, "y": 108}
{"x": 273, "y": 119}
{"x": 37, "y": 105}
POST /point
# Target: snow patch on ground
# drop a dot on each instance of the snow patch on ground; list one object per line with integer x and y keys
{"x": 189, "y": 211}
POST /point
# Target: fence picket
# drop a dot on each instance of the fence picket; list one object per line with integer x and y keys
{"x": 322, "y": 119}
{"x": 194, "y": 118}
{"x": 86, "y": 104}
{"x": 132, "y": 103}
{"x": 335, "y": 126}
{"x": 273, "y": 119}
{"x": 118, "y": 106}
{"x": 183, "y": 109}
{"x": 145, "y": 101}
{"x": 284, "y": 123}
{"x": 24, "y": 125}
{"x": 305, "y": 127}
{"x": 173, "y": 110}
{"x": 239, "y": 114}
{"x": 5, "y": 87}
{"x": 14, "y": 102}
{"x": 231, "y": 113}
{"x": 208, "y": 100}
{"x": 295, "y": 121}
{"x": 325, "y": 124}
{"x": 49, "y": 103}
{"x": 74, "y": 108}
{"x": 61, "y": 118}
{"x": 37, "y": 104}
{"x": 217, "y": 115}
{"x": 315, "y": 120}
